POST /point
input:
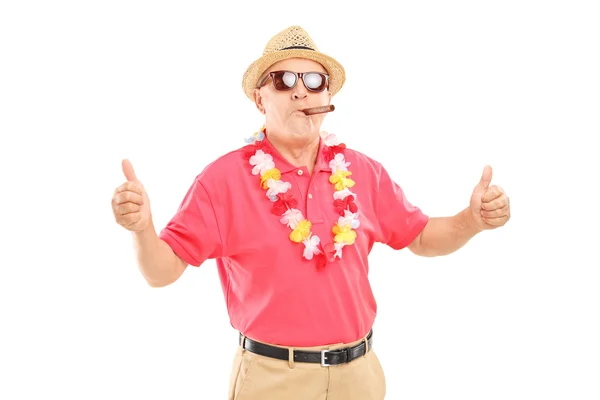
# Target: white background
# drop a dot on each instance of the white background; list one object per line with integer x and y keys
{"x": 435, "y": 91}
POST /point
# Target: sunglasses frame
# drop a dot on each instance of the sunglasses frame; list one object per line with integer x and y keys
{"x": 298, "y": 75}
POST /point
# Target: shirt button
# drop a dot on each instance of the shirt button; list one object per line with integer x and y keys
{"x": 299, "y": 172}
{"x": 310, "y": 196}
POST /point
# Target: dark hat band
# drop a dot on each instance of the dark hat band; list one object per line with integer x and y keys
{"x": 298, "y": 47}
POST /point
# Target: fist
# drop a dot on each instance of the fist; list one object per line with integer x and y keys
{"x": 130, "y": 203}
{"x": 490, "y": 205}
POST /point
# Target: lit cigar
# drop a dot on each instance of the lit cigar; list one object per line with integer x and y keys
{"x": 318, "y": 110}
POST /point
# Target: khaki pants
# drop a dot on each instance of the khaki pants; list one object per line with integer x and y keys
{"x": 256, "y": 377}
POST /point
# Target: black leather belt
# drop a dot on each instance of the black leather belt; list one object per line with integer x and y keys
{"x": 323, "y": 357}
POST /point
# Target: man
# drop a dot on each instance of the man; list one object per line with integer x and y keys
{"x": 290, "y": 218}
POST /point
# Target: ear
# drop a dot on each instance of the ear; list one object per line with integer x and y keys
{"x": 258, "y": 101}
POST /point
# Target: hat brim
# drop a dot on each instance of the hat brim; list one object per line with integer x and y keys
{"x": 337, "y": 74}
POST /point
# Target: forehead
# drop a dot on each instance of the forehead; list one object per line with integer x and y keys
{"x": 297, "y": 65}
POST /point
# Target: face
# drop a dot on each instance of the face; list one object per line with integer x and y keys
{"x": 284, "y": 122}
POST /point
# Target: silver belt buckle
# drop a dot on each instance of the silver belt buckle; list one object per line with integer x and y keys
{"x": 323, "y": 357}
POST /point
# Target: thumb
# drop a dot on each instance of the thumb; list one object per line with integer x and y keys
{"x": 486, "y": 178}
{"x": 128, "y": 171}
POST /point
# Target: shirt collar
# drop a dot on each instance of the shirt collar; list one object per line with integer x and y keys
{"x": 321, "y": 164}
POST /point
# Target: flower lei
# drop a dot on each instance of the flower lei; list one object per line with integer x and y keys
{"x": 284, "y": 204}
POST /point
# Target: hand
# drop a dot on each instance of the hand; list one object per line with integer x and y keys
{"x": 490, "y": 206}
{"x": 130, "y": 202}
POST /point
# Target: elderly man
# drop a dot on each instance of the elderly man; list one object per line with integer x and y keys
{"x": 290, "y": 218}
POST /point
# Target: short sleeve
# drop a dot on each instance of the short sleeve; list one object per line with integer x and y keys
{"x": 400, "y": 222}
{"x": 193, "y": 232}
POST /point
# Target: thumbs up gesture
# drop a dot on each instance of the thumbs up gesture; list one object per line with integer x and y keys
{"x": 130, "y": 203}
{"x": 490, "y": 206}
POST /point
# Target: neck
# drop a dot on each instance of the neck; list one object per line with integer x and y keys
{"x": 298, "y": 154}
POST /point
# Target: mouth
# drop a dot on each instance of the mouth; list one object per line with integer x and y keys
{"x": 299, "y": 113}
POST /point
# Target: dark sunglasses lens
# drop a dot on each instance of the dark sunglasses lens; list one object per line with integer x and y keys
{"x": 315, "y": 81}
{"x": 284, "y": 80}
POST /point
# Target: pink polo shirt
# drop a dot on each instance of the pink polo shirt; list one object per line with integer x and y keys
{"x": 273, "y": 294}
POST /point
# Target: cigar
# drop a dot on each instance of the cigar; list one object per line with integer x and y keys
{"x": 318, "y": 110}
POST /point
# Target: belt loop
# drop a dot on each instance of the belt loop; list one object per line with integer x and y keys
{"x": 291, "y": 358}
{"x": 243, "y": 343}
{"x": 366, "y": 346}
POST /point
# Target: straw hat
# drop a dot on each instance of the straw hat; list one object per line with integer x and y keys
{"x": 292, "y": 42}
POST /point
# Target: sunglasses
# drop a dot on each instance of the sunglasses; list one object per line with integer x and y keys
{"x": 286, "y": 80}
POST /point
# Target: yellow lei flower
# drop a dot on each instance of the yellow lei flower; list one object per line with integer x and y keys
{"x": 272, "y": 173}
{"x": 344, "y": 234}
{"x": 301, "y": 232}
{"x": 340, "y": 180}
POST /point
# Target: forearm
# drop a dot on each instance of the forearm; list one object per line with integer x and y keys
{"x": 156, "y": 259}
{"x": 445, "y": 235}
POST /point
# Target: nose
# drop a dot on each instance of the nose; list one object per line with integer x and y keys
{"x": 299, "y": 92}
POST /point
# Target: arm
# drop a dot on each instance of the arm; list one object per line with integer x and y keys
{"x": 489, "y": 208}
{"x": 445, "y": 235}
{"x": 156, "y": 260}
